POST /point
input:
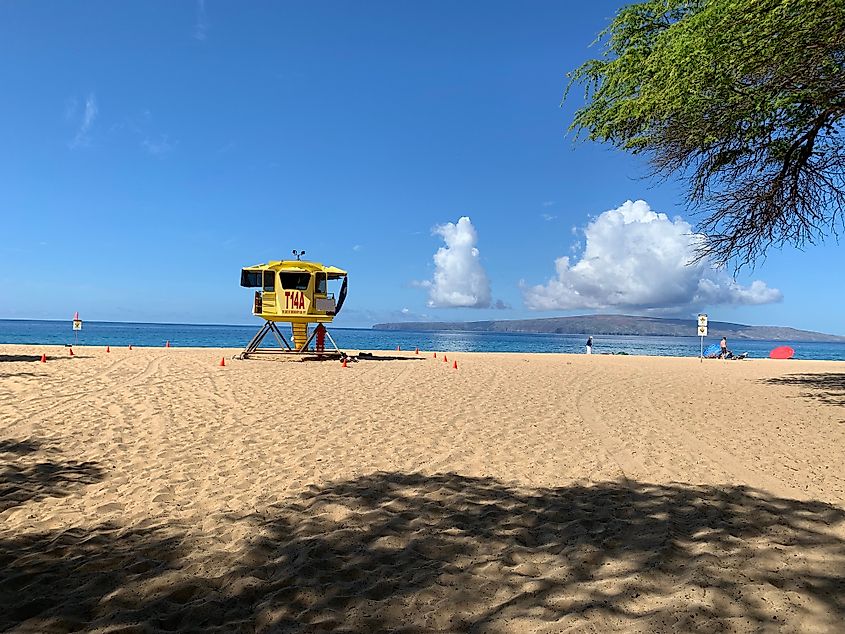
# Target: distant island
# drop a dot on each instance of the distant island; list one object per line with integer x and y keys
{"x": 617, "y": 325}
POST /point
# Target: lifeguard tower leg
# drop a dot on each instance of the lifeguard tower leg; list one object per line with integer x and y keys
{"x": 310, "y": 339}
{"x": 280, "y": 338}
{"x": 328, "y": 334}
{"x": 256, "y": 340}
{"x": 268, "y": 327}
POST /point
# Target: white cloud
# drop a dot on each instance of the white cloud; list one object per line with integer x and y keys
{"x": 547, "y": 203}
{"x": 88, "y": 118}
{"x": 637, "y": 258}
{"x": 157, "y": 147}
{"x": 357, "y": 247}
{"x": 201, "y": 26}
{"x": 367, "y": 317}
{"x": 548, "y": 217}
{"x": 141, "y": 127}
{"x": 459, "y": 279}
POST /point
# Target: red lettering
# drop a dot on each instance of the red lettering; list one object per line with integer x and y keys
{"x": 294, "y": 300}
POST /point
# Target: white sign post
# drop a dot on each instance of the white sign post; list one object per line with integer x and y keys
{"x": 702, "y": 332}
{"x": 77, "y": 326}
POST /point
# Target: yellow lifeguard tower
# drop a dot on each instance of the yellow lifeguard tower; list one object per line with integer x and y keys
{"x": 296, "y": 292}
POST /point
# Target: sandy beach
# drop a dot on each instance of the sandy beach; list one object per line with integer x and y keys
{"x": 153, "y": 490}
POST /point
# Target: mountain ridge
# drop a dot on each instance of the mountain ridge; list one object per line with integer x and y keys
{"x": 619, "y": 325}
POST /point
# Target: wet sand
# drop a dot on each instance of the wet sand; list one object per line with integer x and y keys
{"x": 152, "y": 490}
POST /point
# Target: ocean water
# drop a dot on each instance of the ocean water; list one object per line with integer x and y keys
{"x": 101, "y": 333}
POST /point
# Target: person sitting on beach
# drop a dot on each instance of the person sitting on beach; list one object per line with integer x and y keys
{"x": 723, "y": 344}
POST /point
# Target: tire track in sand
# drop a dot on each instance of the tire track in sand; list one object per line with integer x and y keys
{"x": 62, "y": 402}
{"x": 720, "y": 460}
{"x": 617, "y": 451}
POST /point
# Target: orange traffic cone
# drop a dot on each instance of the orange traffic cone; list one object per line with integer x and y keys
{"x": 455, "y": 365}
{"x": 71, "y": 351}
{"x": 445, "y": 360}
{"x": 108, "y": 349}
{"x": 43, "y": 358}
{"x": 343, "y": 364}
{"x": 222, "y": 362}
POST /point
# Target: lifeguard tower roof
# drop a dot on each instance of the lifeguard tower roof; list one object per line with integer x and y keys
{"x": 298, "y": 265}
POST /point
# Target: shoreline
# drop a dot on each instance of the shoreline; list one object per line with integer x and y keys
{"x": 60, "y": 349}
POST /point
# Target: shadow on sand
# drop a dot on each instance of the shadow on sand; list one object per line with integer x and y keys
{"x": 11, "y": 358}
{"x": 23, "y": 480}
{"x": 55, "y": 581}
{"x": 370, "y": 356}
{"x": 19, "y": 447}
{"x": 416, "y": 553}
{"x": 828, "y": 387}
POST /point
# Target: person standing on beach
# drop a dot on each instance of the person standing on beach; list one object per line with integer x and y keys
{"x": 589, "y": 345}
{"x": 723, "y": 344}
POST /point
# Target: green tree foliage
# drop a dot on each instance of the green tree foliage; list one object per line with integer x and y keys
{"x": 744, "y": 99}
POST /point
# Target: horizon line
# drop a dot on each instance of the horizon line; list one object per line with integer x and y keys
{"x": 379, "y": 323}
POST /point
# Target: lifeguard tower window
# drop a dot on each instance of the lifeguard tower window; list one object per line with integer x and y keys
{"x": 321, "y": 286}
{"x": 251, "y": 279}
{"x": 269, "y": 281}
{"x": 295, "y": 281}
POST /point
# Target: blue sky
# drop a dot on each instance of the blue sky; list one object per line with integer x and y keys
{"x": 152, "y": 149}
